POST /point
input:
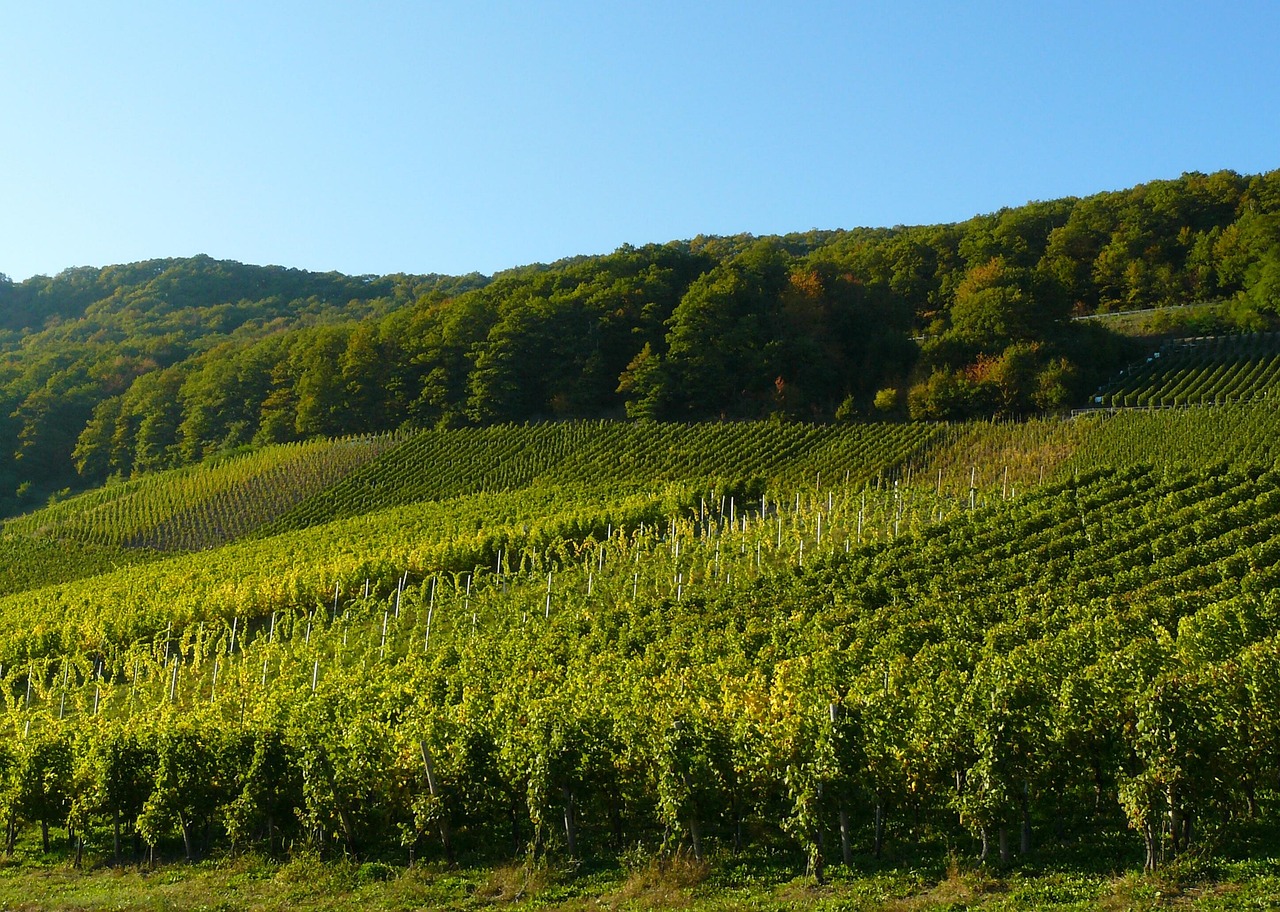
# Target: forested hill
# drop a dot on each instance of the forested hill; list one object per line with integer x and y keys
{"x": 126, "y": 369}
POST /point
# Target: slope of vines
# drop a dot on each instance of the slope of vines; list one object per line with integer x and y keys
{"x": 613, "y": 456}
{"x": 31, "y": 563}
{"x": 846, "y": 669}
{"x": 202, "y": 506}
{"x": 1206, "y": 371}
{"x": 1235, "y": 434}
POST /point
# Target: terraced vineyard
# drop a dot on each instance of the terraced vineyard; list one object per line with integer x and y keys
{"x": 1207, "y": 371}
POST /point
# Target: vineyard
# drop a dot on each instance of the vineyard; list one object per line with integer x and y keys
{"x": 206, "y": 506}
{"x": 1092, "y": 612}
{"x": 837, "y": 643}
{"x": 445, "y": 463}
{"x": 1207, "y": 371}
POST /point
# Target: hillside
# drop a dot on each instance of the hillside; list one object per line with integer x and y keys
{"x": 121, "y": 371}
{"x": 839, "y": 653}
{"x": 336, "y": 612}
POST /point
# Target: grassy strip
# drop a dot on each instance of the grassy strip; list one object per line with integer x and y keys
{"x": 305, "y": 883}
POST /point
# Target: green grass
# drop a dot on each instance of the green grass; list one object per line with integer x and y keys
{"x": 306, "y": 883}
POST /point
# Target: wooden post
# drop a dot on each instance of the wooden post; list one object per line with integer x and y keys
{"x": 877, "y": 843}
{"x": 570, "y": 822}
{"x": 435, "y": 793}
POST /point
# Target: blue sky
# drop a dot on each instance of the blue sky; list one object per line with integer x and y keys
{"x": 452, "y": 137}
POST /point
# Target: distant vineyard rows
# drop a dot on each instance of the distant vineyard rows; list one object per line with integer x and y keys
{"x": 1210, "y": 371}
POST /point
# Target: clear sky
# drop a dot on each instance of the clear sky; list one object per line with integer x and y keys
{"x": 452, "y": 137}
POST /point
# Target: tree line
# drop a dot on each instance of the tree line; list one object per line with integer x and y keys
{"x": 127, "y": 369}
